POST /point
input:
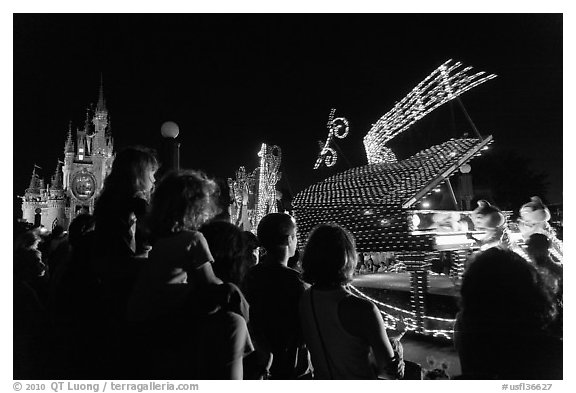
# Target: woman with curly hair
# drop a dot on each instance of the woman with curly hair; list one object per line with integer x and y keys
{"x": 345, "y": 334}
{"x": 180, "y": 298}
{"x": 501, "y": 329}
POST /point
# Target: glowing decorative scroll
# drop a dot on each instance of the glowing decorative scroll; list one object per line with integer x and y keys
{"x": 444, "y": 84}
{"x": 327, "y": 154}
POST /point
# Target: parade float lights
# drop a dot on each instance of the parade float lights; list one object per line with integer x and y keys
{"x": 254, "y": 194}
{"x": 392, "y": 315}
{"x": 270, "y": 159}
{"x": 373, "y": 201}
{"x": 241, "y": 188}
{"x": 444, "y": 84}
{"x": 328, "y": 155}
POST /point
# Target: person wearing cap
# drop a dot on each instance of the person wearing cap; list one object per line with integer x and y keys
{"x": 274, "y": 291}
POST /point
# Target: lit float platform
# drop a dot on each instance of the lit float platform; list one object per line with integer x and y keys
{"x": 393, "y": 292}
{"x": 440, "y": 284}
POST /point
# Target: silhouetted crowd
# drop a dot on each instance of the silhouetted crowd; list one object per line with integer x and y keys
{"x": 158, "y": 284}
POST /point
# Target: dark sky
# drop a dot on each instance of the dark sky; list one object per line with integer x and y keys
{"x": 232, "y": 82}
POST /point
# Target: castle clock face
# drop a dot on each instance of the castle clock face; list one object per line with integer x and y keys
{"x": 83, "y": 185}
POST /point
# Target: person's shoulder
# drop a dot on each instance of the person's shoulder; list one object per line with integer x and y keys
{"x": 289, "y": 272}
{"x": 231, "y": 289}
{"x": 292, "y": 277}
{"x": 255, "y": 269}
{"x": 190, "y": 238}
{"x": 229, "y": 321}
{"x": 357, "y": 306}
{"x": 254, "y": 272}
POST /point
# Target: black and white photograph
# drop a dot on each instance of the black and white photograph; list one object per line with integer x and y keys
{"x": 259, "y": 195}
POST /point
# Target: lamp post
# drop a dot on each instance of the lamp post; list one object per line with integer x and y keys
{"x": 171, "y": 148}
{"x": 466, "y": 189}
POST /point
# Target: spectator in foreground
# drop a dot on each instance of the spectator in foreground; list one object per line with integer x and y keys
{"x": 539, "y": 252}
{"x": 227, "y": 244}
{"x": 273, "y": 291}
{"x": 31, "y": 321}
{"x": 119, "y": 235}
{"x": 186, "y": 301}
{"x": 346, "y": 335}
{"x": 501, "y": 329}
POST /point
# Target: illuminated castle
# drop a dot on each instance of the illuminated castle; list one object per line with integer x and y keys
{"x": 78, "y": 179}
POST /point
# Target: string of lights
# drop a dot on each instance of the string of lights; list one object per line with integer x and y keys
{"x": 328, "y": 155}
{"x": 240, "y": 189}
{"x": 408, "y": 317}
{"x": 444, "y": 84}
{"x": 269, "y": 175}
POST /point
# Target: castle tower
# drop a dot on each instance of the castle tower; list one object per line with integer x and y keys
{"x": 68, "y": 158}
{"x": 56, "y": 213}
{"x": 100, "y": 121}
{"x": 88, "y": 170}
{"x": 78, "y": 179}
{"x": 102, "y": 147}
{"x": 82, "y": 152}
{"x": 33, "y": 201}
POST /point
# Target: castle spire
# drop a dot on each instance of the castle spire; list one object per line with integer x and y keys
{"x": 87, "y": 121}
{"x": 34, "y": 181}
{"x": 56, "y": 183}
{"x": 101, "y": 107}
{"x": 69, "y": 146}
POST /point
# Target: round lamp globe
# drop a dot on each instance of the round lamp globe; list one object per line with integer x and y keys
{"x": 169, "y": 129}
{"x": 466, "y": 168}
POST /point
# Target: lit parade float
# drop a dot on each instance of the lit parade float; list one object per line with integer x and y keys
{"x": 254, "y": 193}
{"x": 379, "y": 202}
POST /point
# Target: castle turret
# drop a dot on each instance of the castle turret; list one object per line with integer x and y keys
{"x": 69, "y": 146}
{"x": 101, "y": 107}
{"x": 56, "y": 203}
{"x": 34, "y": 186}
{"x": 100, "y": 121}
{"x": 68, "y": 157}
{"x": 33, "y": 198}
{"x": 81, "y": 142}
{"x": 56, "y": 181}
{"x": 102, "y": 147}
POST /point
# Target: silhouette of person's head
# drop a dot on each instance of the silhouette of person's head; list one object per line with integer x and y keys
{"x": 277, "y": 233}
{"x": 183, "y": 200}
{"x": 252, "y": 247}
{"x": 27, "y": 240}
{"x": 133, "y": 171}
{"x": 329, "y": 256}
{"x": 227, "y": 246}
{"x": 500, "y": 287}
{"x": 57, "y": 231}
{"x": 79, "y": 227}
{"x": 538, "y": 246}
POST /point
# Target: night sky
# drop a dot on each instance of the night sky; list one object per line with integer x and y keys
{"x": 232, "y": 82}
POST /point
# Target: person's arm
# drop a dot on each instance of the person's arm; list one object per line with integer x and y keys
{"x": 240, "y": 345}
{"x": 361, "y": 318}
